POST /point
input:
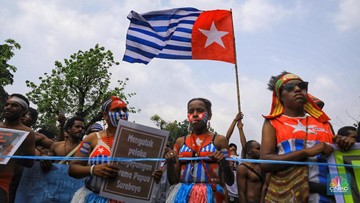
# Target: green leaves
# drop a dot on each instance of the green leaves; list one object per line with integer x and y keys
{"x": 7, "y": 70}
{"x": 176, "y": 129}
{"x": 77, "y": 86}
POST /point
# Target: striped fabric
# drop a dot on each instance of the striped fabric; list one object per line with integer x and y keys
{"x": 294, "y": 177}
{"x": 195, "y": 186}
{"x": 98, "y": 156}
{"x": 90, "y": 192}
{"x": 290, "y": 136}
{"x": 194, "y": 172}
{"x": 162, "y": 34}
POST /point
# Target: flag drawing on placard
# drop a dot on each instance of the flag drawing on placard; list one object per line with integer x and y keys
{"x": 182, "y": 33}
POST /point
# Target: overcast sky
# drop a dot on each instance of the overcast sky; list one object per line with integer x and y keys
{"x": 317, "y": 40}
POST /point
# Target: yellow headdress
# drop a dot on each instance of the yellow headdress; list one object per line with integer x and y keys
{"x": 310, "y": 107}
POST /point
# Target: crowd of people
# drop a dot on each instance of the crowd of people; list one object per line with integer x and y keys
{"x": 296, "y": 129}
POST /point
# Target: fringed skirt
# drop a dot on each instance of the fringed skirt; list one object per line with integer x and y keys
{"x": 85, "y": 195}
{"x": 195, "y": 193}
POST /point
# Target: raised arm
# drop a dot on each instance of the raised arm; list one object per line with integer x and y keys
{"x": 242, "y": 138}
{"x": 230, "y": 131}
{"x": 61, "y": 119}
{"x": 43, "y": 140}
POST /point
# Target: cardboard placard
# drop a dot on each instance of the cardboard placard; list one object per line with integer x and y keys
{"x": 135, "y": 182}
{"x": 10, "y": 141}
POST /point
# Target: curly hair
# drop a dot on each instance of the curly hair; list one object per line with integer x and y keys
{"x": 69, "y": 124}
{"x": 206, "y": 102}
{"x": 273, "y": 79}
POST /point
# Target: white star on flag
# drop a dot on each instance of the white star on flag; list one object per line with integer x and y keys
{"x": 100, "y": 150}
{"x": 213, "y": 35}
{"x": 301, "y": 127}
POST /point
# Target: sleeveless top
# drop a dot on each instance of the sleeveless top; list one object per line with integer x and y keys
{"x": 194, "y": 171}
{"x": 98, "y": 156}
{"x": 290, "y": 136}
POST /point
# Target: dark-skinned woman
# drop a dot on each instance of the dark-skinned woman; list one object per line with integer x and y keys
{"x": 97, "y": 146}
{"x": 199, "y": 180}
{"x": 297, "y": 130}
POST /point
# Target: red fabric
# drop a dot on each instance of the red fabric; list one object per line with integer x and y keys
{"x": 117, "y": 103}
{"x": 5, "y": 180}
{"x": 294, "y": 128}
{"x": 205, "y": 140}
{"x": 223, "y": 22}
{"x": 102, "y": 150}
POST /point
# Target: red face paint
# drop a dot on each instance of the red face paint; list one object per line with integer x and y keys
{"x": 200, "y": 117}
{"x": 191, "y": 117}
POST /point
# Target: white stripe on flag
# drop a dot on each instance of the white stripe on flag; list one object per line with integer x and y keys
{"x": 179, "y": 11}
{"x": 176, "y": 52}
{"x": 162, "y": 34}
{"x": 170, "y": 21}
{"x": 143, "y": 47}
{"x": 136, "y": 55}
{"x": 146, "y": 37}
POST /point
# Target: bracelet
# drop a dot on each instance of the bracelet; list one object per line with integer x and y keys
{"x": 92, "y": 170}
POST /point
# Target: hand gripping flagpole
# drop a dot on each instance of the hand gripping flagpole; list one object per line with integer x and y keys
{"x": 236, "y": 69}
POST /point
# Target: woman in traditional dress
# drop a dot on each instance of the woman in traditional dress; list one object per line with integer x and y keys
{"x": 199, "y": 180}
{"x": 97, "y": 146}
{"x": 297, "y": 130}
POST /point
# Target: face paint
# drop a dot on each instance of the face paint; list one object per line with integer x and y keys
{"x": 85, "y": 147}
{"x": 201, "y": 116}
{"x": 115, "y": 116}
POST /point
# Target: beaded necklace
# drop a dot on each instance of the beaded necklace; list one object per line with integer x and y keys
{"x": 108, "y": 139}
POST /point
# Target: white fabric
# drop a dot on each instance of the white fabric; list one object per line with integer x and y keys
{"x": 20, "y": 101}
{"x": 233, "y": 189}
{"x": 80, "y": 195}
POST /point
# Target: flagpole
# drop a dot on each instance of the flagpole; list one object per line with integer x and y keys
{"x": 236, "y": 69}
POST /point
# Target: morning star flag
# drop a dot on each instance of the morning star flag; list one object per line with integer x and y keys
{"x": 181, "y": 33}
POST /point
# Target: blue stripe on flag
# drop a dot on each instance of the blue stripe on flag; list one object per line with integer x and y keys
{"x": 172, "y": 25}
{"x": 172, "y": 56}
{"x": 144, "y": 42}
{"x": 148, "y": 33}
{"x": 181, "y": 39}
{"x": 286, "y": 146}
{"x": 180, "y": 48}
{"x": 142, "y": 52}
{"x": 161, "y": 34}
{"x": 299, "y": 144}
{"x": 168, "y": 16}
{"x": 134, "y": 60}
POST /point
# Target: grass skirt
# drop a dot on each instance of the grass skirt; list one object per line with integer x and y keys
{"x": 195, "y": 193}
{"x": 85, "y": 195}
